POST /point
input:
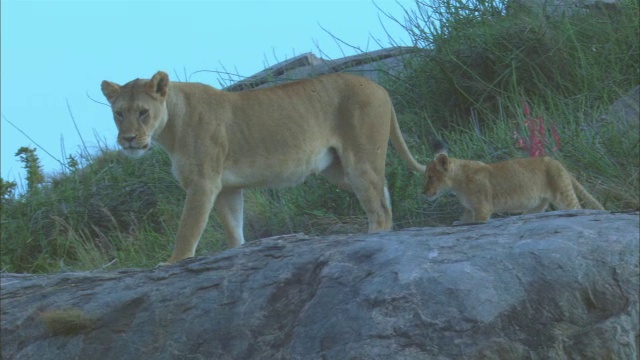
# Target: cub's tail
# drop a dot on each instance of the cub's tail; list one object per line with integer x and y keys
{"x": 582, "y": 193}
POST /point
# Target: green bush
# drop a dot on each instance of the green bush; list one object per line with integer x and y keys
{"x": 95, "y": 209}
{"x": 480, "y": 56}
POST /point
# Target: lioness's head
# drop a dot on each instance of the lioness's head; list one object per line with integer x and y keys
{"x": 436, "y": 176}
{"x": 139, "y": 110}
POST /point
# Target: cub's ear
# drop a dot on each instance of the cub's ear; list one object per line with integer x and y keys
{"x": 110, "y": 90}
{"x": 442, "y": 160}
{"x": 158, "y": 86}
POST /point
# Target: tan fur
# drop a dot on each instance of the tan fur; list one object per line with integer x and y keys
{"x": 221, "y": 142}
{"x": 521, "y": 185}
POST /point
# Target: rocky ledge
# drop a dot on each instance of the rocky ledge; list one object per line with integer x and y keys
{"x": 556, "y": 285}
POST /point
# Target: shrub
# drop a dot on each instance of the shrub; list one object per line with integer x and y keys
{"x": 483, "y": 56}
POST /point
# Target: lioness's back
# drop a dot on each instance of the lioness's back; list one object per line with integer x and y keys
{"x": 323, "y": 90}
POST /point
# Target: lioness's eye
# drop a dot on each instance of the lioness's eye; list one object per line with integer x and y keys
{"x": 143, "y": 113}
{"x": 119, "y": 115}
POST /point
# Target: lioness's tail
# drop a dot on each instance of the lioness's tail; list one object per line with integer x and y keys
{"x": 589, "y": 200}
{"x": 401, "y": 145}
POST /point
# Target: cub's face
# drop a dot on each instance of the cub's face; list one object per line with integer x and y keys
{"x": 139, "y": 110}
{"x": 435, "y": 177}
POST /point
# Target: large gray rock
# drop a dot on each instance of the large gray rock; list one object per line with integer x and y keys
{"x": 567, "y": 7}
{"x": 557, "y": 285}
{"x": 372, "y": 65}
{"x": 625, "y": 112}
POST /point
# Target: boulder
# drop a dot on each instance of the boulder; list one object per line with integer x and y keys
{"x": 372, "y": 64}
{"x": 625, "y": 112}
{"x": 555, "y": 285}
{"x": 567, "y": 7}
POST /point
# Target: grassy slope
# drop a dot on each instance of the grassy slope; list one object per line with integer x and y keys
{"x": 567, "y": 69}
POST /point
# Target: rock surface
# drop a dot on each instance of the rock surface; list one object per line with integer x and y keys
{"x": 567, "y": 7}
{"x": 626, "y": 111}
{"x": 370, "y": 64}
{"x": 557, "y": 285}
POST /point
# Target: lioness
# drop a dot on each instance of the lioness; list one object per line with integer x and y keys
{"x": 521, "y": 185}
{"x": 221, "y": 142}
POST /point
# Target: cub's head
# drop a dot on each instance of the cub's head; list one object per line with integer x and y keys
{"x": 436, "y": 176}
{"x": 139, "y": 110}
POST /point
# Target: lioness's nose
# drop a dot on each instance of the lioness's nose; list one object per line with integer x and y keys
{"x": 129, "y": 138}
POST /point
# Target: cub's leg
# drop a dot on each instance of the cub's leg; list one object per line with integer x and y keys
{"x": 482, "y": 212}
{"x": 566, "y": 201}
{"x": 541, "y": 207}
{"x": 479, "y": 198}
{"x": 467, "y": 216}
{"x": 564, "y": 198}
{"x": 197, "y": 207}
{"x": 230, "y": 207}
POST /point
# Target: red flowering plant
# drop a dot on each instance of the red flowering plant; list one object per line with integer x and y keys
{"x": 537, "y": 141}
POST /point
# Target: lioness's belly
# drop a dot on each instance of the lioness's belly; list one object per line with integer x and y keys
{"x": 273, "y": 172}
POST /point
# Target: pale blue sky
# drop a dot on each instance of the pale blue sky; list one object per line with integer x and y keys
{"x": 54, "y": 52}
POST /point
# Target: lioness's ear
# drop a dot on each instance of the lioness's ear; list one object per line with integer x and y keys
{"x": 110, "y": 90}
{"x": 159, "y": 84}
{"x": 443, "y": 162}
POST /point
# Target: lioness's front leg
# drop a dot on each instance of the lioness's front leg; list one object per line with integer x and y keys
{"x": 197, "y": 207}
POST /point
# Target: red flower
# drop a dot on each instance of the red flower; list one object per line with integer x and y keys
{"x": 537, "y": 134}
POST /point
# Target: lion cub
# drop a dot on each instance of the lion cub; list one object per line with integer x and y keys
{"x": 521, "y": 185}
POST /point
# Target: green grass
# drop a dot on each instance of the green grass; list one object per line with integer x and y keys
{"x": 109, "y": 211}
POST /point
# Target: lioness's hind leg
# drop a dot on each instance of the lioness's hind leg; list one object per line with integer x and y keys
{"x": 230, "y": 206}
{"x": 371, "y": 190}
{"x": 335, "y": 175}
